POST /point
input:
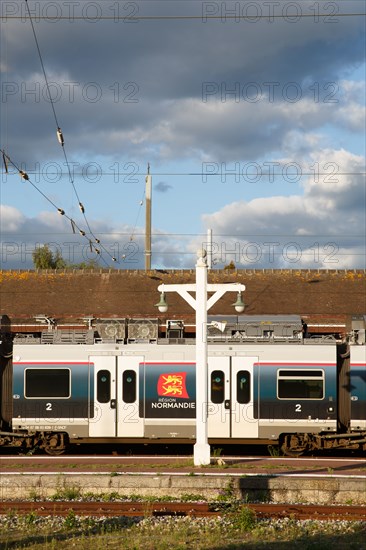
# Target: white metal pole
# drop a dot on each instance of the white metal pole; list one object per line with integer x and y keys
{"x": 201, "y": 450}
{"x": 209, "y": 248}
{"x": 148, "y": 193}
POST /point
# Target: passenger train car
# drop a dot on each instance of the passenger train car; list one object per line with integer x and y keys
{"x": 293, "y": 392}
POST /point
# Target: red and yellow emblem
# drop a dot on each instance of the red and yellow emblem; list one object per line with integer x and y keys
{"x": 173, "y": 385}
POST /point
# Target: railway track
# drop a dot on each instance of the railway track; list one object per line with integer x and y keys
{"x": 201, "y": 509}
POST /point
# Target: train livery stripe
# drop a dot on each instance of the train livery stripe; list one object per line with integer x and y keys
{"x": 294, "y": 363}
{"x": 52, "y": 363}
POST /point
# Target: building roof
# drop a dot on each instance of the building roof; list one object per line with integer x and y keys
{"x": 318, "y": 296}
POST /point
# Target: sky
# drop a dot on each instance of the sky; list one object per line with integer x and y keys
{"x": 253, "y": 128}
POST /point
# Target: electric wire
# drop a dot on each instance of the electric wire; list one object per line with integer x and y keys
{"x": 132, "y": 235}
{"x": 236, "y": 17}
{"x": 61, "y": 141}
{"x": 61, "y": 211}
{"x": 211, "y": 174}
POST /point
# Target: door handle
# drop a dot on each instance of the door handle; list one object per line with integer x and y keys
{"x": 113, "y": 403}
{"x": 227, "y": 403}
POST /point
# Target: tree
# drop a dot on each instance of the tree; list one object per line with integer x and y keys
{"x": 44, "y": 258}
{"x": 230, "y": 266}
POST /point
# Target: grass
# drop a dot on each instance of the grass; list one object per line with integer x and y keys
{"x": 235, "y": 530}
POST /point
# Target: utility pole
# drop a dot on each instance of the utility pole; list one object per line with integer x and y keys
{"x": 148, "y": 194}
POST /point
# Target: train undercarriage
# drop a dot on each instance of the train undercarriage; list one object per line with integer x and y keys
{"x": 298, "y": 444}
{"x": 52, "y": 443}
{"x": 291, "y": 445}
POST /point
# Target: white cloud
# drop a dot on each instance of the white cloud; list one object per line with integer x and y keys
{"x": 324, "y": 227}
{"x": 11, "y": 218}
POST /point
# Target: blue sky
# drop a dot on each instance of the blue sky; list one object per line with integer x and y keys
{"x": 253, "y": 128}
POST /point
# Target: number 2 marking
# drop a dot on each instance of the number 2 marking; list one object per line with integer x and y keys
{"x": 298, "y": 408}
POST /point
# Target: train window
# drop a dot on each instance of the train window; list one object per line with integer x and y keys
{"x": 104, "y": 386}
{"x": 129, "y": 386}
{"x": 243, "y": 387}
{"x": 300, "y": 384}
{"x": 217, "y": 386}
{"x": 47, "y": 383}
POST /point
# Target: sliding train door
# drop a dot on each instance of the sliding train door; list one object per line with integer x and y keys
{"x": 103, "y": 378}
{"x": 130, "y": 417}
{"x": 231, "y": 397}
{"x": 243, "y": 421}
{"x": 219, "y": 397}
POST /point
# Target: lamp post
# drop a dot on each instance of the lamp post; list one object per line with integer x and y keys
{"x": 201, "y": 451}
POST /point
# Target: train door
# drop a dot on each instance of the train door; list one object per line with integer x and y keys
{"x": 219, "y": 397}
{"x": 243, "y": 423}
{"x": 130, "y": 423}
{"x": 103, "y": 371}
{"x": 231, "y": 397}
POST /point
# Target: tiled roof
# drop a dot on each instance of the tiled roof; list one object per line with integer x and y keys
{"x": 331, "y": 296}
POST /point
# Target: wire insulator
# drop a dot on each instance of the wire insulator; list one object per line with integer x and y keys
{"x": 114, "y": 259}
{"x": 24, "y": 175}
{"x": 97, "y": 250}
{"x": 82, "y": 232}
{"x": 82, "y": 209}
{"x": 60, "y": 137}
{"x": 5, "y": 164}
{"x": 97, "y": 240}
{"x": 61, "y": 212}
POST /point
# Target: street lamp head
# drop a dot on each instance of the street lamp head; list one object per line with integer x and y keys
{"x": 239, "y": 304}
{"x": 201, "y": 258}
{"x": 162, "y": 305}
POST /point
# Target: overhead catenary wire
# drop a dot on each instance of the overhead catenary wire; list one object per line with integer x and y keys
{"x": 74, "y": 226}
{"x": 61, "y": 140}
{"x": 218, "y": 17}
{"x": 220, "y": 173}
{"x": 133, "y": 232}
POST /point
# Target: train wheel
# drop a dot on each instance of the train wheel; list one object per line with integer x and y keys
{"x": 54, "y": 444}
{"x": 54, "y": 452}
{"x": 294, "y": 445}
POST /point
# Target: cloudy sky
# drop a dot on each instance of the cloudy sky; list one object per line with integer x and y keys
{"x": 254, "y": 128}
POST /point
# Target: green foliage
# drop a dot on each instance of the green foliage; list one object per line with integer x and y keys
{"x": 227, "y": 494}
{"x": 71, "y": 521}
{"x": 230, "y": 266}
{"x": 216, "y": 452}
{"x": 67, "y": 493}
{"x": 30, "y": 518}
{"x": 91, "y": 264}
{"x": 191, "y": 497}
{"x": 243, "y": 519}
{"x": 274, "y": 450}
{"x": 44, "y": 258}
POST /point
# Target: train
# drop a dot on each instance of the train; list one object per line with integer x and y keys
{"x": 268, "y": 383}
